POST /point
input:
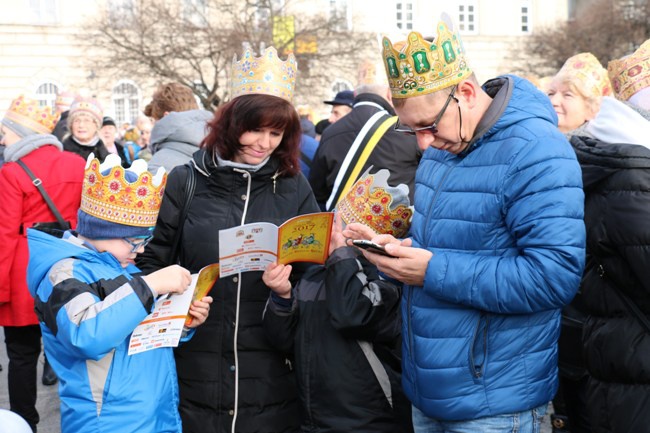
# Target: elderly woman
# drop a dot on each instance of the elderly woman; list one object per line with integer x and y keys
{"x": 26, "y": 133}
{"x": 230, "y": 377}
{"x": 604, "y": 343}
{"x": 84, "y": 123}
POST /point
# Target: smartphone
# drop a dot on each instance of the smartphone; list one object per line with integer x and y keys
{"x": 370, "y": 246}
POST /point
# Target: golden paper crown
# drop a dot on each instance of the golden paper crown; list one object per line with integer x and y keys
{"x": 372, "y": 202}
{"x": 111, "y": 197}
{"x": 632, "y": 73}
{"x": 266, "y": 74}
{"x": 370, "y": 73}
{"x": 29, "y": 114}
{"x": 588, "y": 71}
{"x": 419, "y": 67}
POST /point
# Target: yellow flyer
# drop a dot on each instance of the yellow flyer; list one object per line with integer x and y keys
{"x": 305, "y": 238}
{"x": 252, "y": 247}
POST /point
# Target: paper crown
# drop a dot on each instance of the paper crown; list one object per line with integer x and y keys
{"x": 64, "y": 100}
{"x": 88, "y": 106}
{"x": 417, "y": 67}
{"x": 373, "y": 202}
{"x": 28, "y": 113}
{"x": 111, "y": 197}
{"x": 589, "y": 74}
{"x": 370, "y": 73}
{"x": 632, "y": 73}
{"x": 266, "y": 74}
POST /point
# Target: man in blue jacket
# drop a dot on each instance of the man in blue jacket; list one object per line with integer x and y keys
{"x": 496, "y": 246}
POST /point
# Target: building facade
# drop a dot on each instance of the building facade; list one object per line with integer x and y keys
{"x": 43, "y": 50}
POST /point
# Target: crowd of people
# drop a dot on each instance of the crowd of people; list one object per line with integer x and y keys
{"x": 513, "y": 221}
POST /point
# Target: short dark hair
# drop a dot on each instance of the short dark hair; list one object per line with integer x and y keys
{"x": 247, "y": 113}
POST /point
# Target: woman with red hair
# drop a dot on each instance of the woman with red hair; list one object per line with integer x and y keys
{"x": 247, "y": 170}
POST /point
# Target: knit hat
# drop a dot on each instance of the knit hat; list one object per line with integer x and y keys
{"x": 117, "y": 202}
{"x": 371, "y": 201}
{"x": 631, "y": 73}
{"x": 26, "y": 117}
{"x": 106, "y": 121}
{"x": 87, "y": 106}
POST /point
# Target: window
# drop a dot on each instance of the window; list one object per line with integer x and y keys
{"x": 265, "y": 9}
{"x": 126, "y": 102}
{"x": 44, "y": 12}
{"x": 404, "y": 15}
{"x": 121, "y": 11}
{"x": 340, "y": 15}
{"x": 571, "y": 13}
{"x": 194, "y": 12}
{"x": 467, "y": 17}
{"x": 526, "y": 23}
{"x": 46, "y": 94}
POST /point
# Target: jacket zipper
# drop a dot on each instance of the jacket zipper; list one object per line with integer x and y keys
{"x": 481, "y": 328}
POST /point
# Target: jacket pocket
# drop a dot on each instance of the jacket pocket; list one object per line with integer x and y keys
{"x": 479, "y": 347}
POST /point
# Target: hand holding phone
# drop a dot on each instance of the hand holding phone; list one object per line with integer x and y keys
{"x": 371, "y": 246}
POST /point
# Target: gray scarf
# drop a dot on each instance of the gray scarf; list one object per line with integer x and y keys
{"x": 28, "y": 144}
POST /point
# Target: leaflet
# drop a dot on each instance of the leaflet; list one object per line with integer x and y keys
{"x": 164, "y": 326}
{"x": 252, "y": 247}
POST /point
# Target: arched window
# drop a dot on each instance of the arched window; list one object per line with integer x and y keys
{"x": 46, "y": 94}
{"x": 126, "y": 102}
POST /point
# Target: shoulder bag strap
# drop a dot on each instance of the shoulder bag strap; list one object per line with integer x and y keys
{"x": 360, "y": 150}
{"x": 39, "y": 185}
{"x": 190, "y": 187}
{"x": 629, "y": 304}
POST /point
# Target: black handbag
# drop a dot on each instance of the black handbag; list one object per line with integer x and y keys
{"x": 55, "y": 228}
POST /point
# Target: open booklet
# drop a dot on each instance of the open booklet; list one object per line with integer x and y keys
{"x": 251, "y": 247}
{"x": 164, "y": 326}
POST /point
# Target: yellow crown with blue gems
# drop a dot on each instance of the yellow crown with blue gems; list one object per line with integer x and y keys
{"x": 418, "y": 67}
{"x": 130, "y": 196}
{"x": 266, "y": 74}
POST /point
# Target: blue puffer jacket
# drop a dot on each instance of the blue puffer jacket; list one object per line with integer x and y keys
{"x": 88, "y": 305}
{"x": 504, "y": 221}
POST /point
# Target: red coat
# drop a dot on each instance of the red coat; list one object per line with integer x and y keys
{"x": 21, "y": 203}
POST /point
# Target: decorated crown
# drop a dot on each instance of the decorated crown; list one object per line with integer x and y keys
{"x": 112, "y": 197}
{"x": 64, "y": 100}
{"x": 29, "y": 114}
{"x": 632, "y": 73}
{"x": 371, "y": 201}
{"x": 370, "y": 73}
{"x": 417, "y": 67}
{"x": 266, "y": 74}
{"x": 587, "y": 71}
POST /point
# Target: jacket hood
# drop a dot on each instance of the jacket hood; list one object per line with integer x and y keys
{"x": 599, "y": 160}
{"x": 51, "y": 250}
{"x": 514, "y": 100}
{"x": 184, "y": 128}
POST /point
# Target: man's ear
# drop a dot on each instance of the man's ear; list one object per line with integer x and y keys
{"x": 467, "y": 91}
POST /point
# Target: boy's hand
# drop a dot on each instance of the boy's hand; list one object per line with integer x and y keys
{"x": 277, "y": 278}
{"x": 199, "y": 311}
{"x": 172, "y": 279}
{"x": 336, "y": 237}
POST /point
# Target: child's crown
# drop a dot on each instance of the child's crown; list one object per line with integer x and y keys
{"x": 111, "y": 197}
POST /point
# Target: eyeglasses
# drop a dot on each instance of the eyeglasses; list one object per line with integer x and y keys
{"x": 433, "y": 128}
{"x": 136, "y": 245}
